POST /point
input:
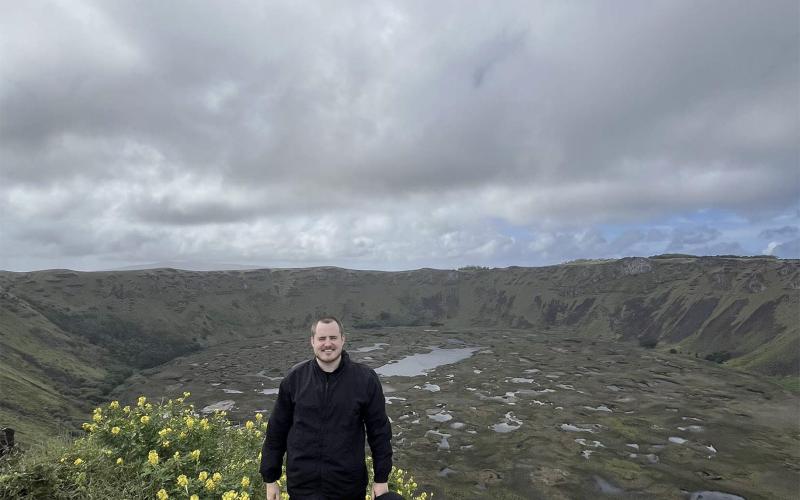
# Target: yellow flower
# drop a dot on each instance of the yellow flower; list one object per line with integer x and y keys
{"x": 189, "y": 422}
{"x": 243, "y": 495}
{"x": 217, "y": 477}
{"x": 127, "y": 409}
{"x": 164, "y": 432}
{"x": 148, "y": 407}
{"x": 120, "y": 461}
{"x": 87, "y": 427}
{"x": 183, "y": 480}
{"x": 152, "y": 457}
{"x": 195, "y": 454}
{"x": 165, "y": 444}
{"x": 141, "y": 401}
{"x": 162, "y": 494}
{"x": 211, "y": 485}
{"x": 204, "y": 424}
{"x": 78, "y": 461}
{"x": 186, "y": 394}
{"x": 115, "y": 430}
{"x": 194, "y": 497}
{"x": 245, "y": 482}
{"x": 249, "y": 424}
{"x": 202, "y": 476}
{"x": 259, "y": 416}
{"x": 114, "y": 405}
{"x": 182, "y": 435}
{"x": 97, "y": 417}
{"x": 145, "y": 419}
{"x": 177, "y": 455}
{"x": 229, "y": 495}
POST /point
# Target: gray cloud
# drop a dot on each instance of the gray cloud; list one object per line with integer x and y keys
{"x": 779, "y": 232}
{"x": 683, "y": 239}
{"x": 202, "y": 120}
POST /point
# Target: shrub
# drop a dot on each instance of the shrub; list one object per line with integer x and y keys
{"x": 153, "y": 451}
{"x": 648, "y": 342}
{"x": 718, "y": 357}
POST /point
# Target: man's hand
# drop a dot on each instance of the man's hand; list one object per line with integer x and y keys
{"x": 273, "y": 491}
{"x": 379, "y": 489}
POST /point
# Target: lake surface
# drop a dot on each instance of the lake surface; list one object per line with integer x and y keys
{"x": 420, "y": 364}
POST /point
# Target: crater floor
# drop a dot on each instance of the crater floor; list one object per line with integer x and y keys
{"x": 534, "y": 414}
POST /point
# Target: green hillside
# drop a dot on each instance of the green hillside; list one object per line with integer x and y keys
{"x": 67, "y": 338}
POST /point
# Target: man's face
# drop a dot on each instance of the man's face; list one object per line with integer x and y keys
{"x": 327, "y": 342}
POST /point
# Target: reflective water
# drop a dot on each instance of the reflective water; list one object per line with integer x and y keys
{"x": 441, "y": 416}
{"x": 591, "y": 444}
{"x": 714, "y": 495}
{"x": 511, "y": 424}
{"x": 606, "y": 487}
{"x": 373, "y": 347}
{"x": 219, "y": 406}
{"x": 419, "y": 364}
{"x": 575, "y": 428}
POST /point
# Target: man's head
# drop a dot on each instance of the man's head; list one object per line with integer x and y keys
{"x": 327, "y": 340}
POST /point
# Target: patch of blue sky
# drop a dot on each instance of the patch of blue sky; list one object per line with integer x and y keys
{"x": 698, "y": 232}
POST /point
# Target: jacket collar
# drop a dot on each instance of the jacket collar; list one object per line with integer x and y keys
{"x": 339, "y": 369}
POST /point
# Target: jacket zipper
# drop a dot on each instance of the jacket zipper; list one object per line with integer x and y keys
{"x": 323, "y": 412}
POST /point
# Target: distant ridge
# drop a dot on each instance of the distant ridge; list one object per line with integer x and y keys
{"x": 184, "y": 265}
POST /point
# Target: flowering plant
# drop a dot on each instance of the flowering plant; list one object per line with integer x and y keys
{"x": 157, "y": 451}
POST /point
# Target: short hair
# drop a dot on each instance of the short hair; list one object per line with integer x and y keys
{"x": 327, "y": 320}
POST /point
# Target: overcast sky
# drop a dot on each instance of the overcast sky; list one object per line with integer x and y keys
{"x": 396, "y": 135}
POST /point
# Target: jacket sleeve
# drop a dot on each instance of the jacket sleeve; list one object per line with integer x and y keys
{"x": 280, "y": 421}
{"x": 379, "y": 431}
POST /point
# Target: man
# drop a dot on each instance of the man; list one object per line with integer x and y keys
{"x": 324, "y": 406}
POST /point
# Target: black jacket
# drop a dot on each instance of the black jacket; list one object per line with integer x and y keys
{"x": 319, "y": 421}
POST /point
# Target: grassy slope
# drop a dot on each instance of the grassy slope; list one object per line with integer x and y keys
{"x": 48, "y": 378}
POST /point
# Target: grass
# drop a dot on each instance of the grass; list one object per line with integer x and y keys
{"x": 790, "y": 383}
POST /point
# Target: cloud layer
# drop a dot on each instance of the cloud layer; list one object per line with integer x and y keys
{"x": 396, "y": 134}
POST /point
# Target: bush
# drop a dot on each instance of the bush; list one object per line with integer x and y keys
{"x": 152, "y": 451}
{"x": 718, "y": 357}
{"x": 648, "y": 343}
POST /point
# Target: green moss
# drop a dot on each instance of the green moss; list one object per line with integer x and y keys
{"x": 790, "y": 383}
{"x": 623, "y": 469}
{"x": 632, "y": 430}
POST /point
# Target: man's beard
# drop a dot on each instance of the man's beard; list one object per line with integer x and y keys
{"x": 319, "y": 355}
